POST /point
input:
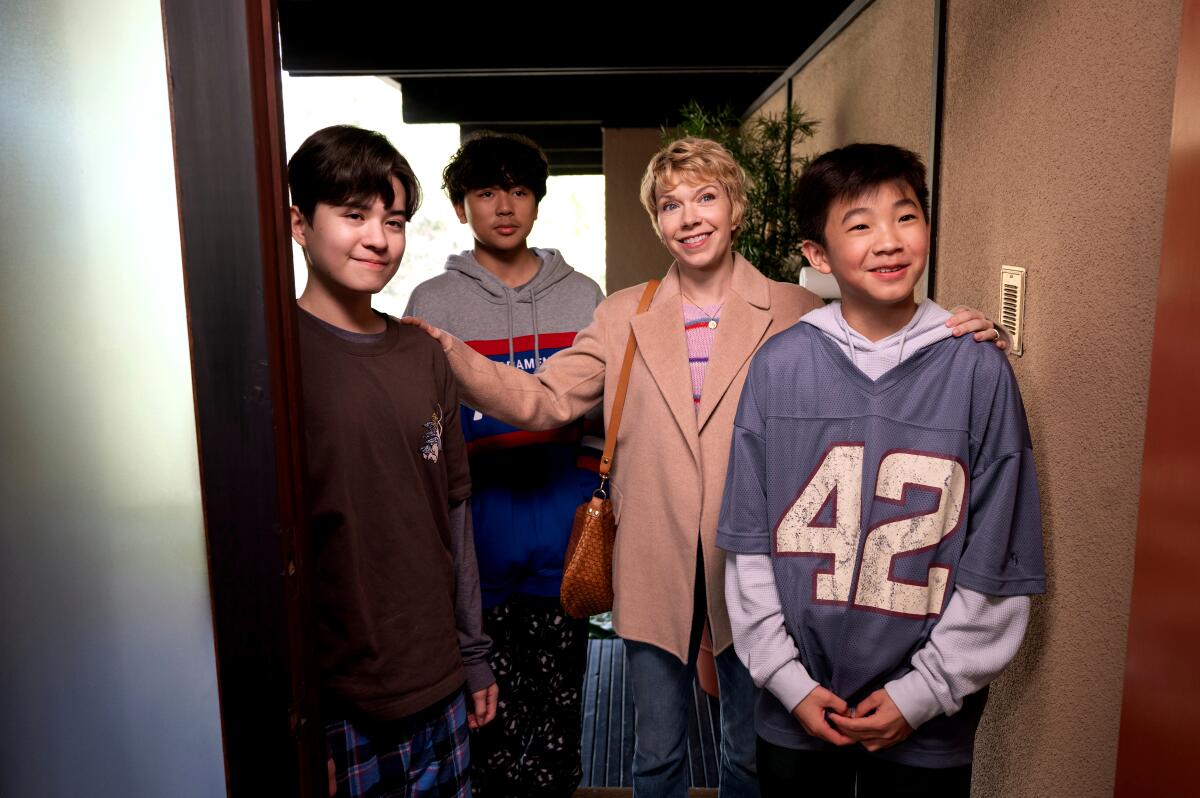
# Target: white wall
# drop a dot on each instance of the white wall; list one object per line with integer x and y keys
{"x": 107, "y": 670}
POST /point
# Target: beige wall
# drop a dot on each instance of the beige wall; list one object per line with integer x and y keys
{"x": 857, "y": 95}
{"x": 634, "y": 253}
{"x": 1054, "y": 155}
{"x": 873, "y": 82}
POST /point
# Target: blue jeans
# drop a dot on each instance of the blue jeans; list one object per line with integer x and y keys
{"x": 662, "y": 695}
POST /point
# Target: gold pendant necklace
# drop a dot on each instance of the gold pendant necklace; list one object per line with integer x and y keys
{"x": 712, "y": 322}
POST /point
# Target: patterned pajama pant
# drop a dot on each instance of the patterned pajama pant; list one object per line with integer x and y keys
{"x": 425, "y": 756}
{"x": 531, "y": 749}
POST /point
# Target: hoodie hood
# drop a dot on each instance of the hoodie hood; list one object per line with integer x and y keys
{"x": 552, "y": 271}
{"x": 521, "y": 326}
{"x": 875, "y": 358}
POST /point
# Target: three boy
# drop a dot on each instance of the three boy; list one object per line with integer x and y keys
{"x": 881, "y": 509}
{"x": 519, "y": 305}
{"x": 398, "y": 624}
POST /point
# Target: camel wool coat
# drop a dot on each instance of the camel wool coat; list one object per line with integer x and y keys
{"x": 669, "y": 466}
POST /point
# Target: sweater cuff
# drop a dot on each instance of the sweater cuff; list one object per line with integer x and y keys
{"x": 913, "y": 697}
{"x": 791, "y": 684}
{"x": 478, "y": 676}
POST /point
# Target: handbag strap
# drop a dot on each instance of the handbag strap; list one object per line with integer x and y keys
{"x": 614, "y": 421}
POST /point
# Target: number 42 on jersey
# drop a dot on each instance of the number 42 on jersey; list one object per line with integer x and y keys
{"x": 834, "y": 494}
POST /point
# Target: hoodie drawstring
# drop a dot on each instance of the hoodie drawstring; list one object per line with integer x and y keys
{"x": 551, "y": 271}
{"x": 537, "y": 355}
{"x": 846, "y": 332}
{"x": 845, "y": 328}
{"x": 512, "y": 355}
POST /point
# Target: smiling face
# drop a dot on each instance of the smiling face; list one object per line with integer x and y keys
{"x": 355, "y": 247}
{"x": 500, "y": 218}
{"x": 696, "y": 224}
{"x": 875, "y": 247}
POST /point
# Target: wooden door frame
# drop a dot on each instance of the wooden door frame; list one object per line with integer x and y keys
{"x": 223, "y": 76}
{"x": 1156, "y": 751}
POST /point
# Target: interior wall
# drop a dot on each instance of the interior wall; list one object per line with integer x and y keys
{"x": 634, "y": 253}
{"x": 1054, "y": 157}
{"x": 109, "y": 684}
{"x": 855, "y": 95}
{"x": 872, "y": 82}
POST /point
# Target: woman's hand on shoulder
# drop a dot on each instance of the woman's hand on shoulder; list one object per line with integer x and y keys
{"x": 441, "y": 336}
{"x": 967, "y": 319}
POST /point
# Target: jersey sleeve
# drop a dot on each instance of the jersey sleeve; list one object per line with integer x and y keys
{"x": 743, "y": 527}
{"x": 1003, "y": 554}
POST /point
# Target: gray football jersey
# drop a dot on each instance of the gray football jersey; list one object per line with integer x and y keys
{"x": 874, "y": 499}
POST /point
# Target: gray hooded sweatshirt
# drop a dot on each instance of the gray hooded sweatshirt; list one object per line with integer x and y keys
{"x": 525, "y": 485}
{"x": 474, "y": 305}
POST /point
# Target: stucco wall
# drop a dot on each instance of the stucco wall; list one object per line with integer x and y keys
{"x": 873, "y": 82}
{"x": 1054, "y": 153}
{"x": 634, "y": 253}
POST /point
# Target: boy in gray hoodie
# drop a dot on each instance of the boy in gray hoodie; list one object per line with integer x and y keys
{"x": 881, "y": 509}
{"x": 519, "y": 305}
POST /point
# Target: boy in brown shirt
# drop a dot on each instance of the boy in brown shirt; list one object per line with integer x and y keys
{"x": 397, "y": 592}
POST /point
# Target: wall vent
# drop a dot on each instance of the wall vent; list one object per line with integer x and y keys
{"x": 1012, "y": 304}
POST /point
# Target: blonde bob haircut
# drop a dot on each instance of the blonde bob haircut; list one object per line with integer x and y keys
{"x": 694, "y": 160}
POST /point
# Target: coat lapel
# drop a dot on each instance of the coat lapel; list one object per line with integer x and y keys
{"x": 744, "y": 322}
{"x": 660, "y": 339}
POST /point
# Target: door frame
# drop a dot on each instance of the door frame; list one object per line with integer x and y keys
{"x": 1156, "y": 749}
{"x": 223, "y": 70}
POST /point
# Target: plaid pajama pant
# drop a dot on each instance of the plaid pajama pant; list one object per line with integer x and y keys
{"x": 425, "y": 756}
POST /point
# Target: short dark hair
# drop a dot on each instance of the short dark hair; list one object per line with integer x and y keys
{"x": 849, "y": 172}
{"x": 487, "y": 158}
{"x": 344, "y": 164}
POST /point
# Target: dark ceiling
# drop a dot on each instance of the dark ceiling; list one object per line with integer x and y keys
{"x": 557, "y": 83}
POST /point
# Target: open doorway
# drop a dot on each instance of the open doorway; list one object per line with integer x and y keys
{"x": 570, "y": 218}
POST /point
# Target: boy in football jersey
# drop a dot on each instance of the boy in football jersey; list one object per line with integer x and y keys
{"x": 519, "y": 305}
{"x": 881, "y": 508}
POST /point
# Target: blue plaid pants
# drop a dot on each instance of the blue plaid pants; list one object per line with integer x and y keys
{"x": 426, "y": 756}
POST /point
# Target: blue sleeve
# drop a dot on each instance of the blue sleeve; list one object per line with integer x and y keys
{"x": 1003, "y": 554}
{"x": 743, "y": 527}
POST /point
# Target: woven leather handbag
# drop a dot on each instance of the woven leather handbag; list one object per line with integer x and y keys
{"x": 587, "y": 587}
